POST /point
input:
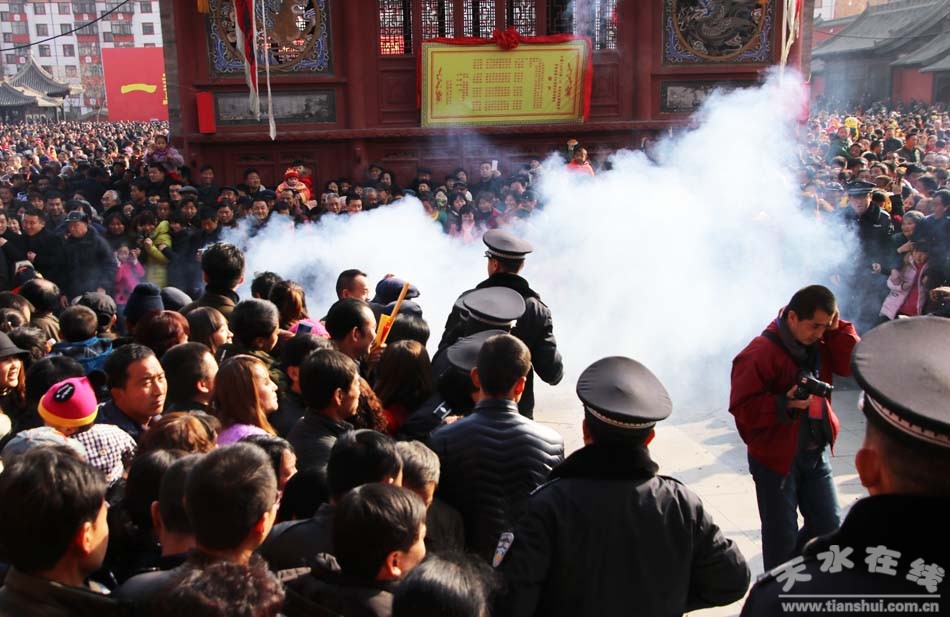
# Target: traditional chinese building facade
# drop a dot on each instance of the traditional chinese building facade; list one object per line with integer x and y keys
{"x": 345, "y": 89}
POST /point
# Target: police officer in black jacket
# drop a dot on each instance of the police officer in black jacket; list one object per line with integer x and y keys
{"x": 895, "y": 542}
{"x": 506, "y": 256}
{"x": 606, "y": 535}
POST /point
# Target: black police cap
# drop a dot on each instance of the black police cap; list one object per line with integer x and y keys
{"x": 494, "y": 306}
{"x": 504, "y": 245}
{"x": 623, "y": 394}
{"x": 463, "y": 353}
{"x": 903, "y": 366}
{"x": 859, "y": 188}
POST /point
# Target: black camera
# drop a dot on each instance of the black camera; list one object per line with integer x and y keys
{"x": 806, "y": 386}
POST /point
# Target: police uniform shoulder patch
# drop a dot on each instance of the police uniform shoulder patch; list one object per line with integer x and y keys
{"x": 504, "y": 543}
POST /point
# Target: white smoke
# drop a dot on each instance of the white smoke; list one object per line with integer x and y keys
{"x": 677, "y": 263}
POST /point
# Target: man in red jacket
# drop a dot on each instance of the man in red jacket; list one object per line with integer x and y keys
{"x": 788, "y": 435}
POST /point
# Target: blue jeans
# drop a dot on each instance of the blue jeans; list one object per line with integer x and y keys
{"x": 808, "y": 486}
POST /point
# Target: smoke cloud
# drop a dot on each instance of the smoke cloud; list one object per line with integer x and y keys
{"x": 676, "y": 262}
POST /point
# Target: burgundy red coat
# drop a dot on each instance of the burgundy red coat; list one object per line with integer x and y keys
{"x": 761, "y": 374}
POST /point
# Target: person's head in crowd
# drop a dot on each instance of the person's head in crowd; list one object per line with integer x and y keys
{"x": 379, "y": 532}
{"x": 450, "y": 585}
{"x": 503, "y": 365}
{"x": 810, "y": 313}
{"x": 225, "y": 213}
{"x": 244, "y": 393}
{"x": 231, "y": 499}
{"x": 138, "y": 191}
{"x": 174, "y": 299}
{"x": 281, "y": 455}
{"x": 909, "y": 222}
{"x": 8, "y": 299}
{"x": 43, "y": 294}
{"x": 104, "y": 306}
{"x": 295, "y": 351}
{"x": 145, "y": 298}
{"x": 259, "y": 210}
{"x": 352, "y": 284}
{"x": 263, "y": 283}
{"x": 361, "y": 457}
{"x": 208, "y": 220}
{"x": 44, "y": 373}
{"x": 352, "y": 327}
{"x": 941, "y": 203}
{"x": 305, "y": 492}
{"x": 29, "y": 339}
{"x": 193, "y": 432}
{"x": 78, "y": 323}
{"x": 208, "y": 326}
{"x": 255, "y": 324}
{"x": 252, "y": 178}
{"x": 169, "y": 519}
{"x": 190, "y": 370}
{"x": 330, "y": 385}
{"x": 12, "y": 377}
{"x": 370, "y": 197}
{"x": 223, "y": 266}
{"x": 404, "y": 376}
{"x": 34, "y": 221}
{"x": 420, "y": 469}
{"x": 145, "y": 224}
{"x": 409, "y": 328}
{"x": 223, "y": 589}
{"x": 161, "y": 330}
{"x": 53, "y": 520}
{"x": 110, "y": 199}
{"x": 136, "y": 382}
{"x": 55, "y": 205}
{"x": 291, "y": 302}
{"x": 142, "y": 488}
{"x": 927, "y": 185}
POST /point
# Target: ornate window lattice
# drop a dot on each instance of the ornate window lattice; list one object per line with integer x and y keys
{"x": 594, "y": 18}
{"x": 479, "y": 17}
{"x": 521, "y": 15}
{"x": 437, "y": 19}
{"x": 395, "y": 27}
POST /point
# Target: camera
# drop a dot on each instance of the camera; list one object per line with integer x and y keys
{"x": 806, "y": 386}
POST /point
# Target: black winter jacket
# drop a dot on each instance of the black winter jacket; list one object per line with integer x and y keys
{"x": 491, "y": 460}
{"x": 608, "y": 537}
{"x": 294, "y": 544}
{"x": 914, "y": 527}
{"x": 535, "y": 328}
{"x": 313, "y": 437}
{"x": 89, "y": 264}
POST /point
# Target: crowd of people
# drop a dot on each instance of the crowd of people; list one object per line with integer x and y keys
{"x": 169, "y": 447}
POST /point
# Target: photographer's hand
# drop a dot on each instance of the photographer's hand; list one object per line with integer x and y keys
{"x": 794, "y": 403}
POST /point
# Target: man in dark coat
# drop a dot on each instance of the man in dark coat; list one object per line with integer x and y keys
{"x": 39, "y": 246}
{"x": 788, "y": 436}
{"x": 895, "y": 542}
{"x": 330, "y": 386}
{"x": 606, "y": 535}
{"x": 866, "y": 280}
{"x": 91, "y": 265}
{"x": 506, "y": 258}
{"x": 494, "y": 457}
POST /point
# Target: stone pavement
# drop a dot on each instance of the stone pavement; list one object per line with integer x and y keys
{"x": 703, "y": 449}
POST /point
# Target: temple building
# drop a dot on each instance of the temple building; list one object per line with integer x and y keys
{"x": 899, "y": 51}
{"x": 357, "y": 82}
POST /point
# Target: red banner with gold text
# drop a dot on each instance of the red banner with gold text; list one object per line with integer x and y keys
{"x": 135, "y": 83}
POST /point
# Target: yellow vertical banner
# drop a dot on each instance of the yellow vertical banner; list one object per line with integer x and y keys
{"x": 473, "y": 85}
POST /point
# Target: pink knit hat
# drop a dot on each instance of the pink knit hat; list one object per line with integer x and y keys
{"x": 69, "y": 403}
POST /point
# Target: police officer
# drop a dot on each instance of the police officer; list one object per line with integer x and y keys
{"x": 492, "y": 308}
{"x": 506, "y": 256}
{"x": 895, "y": 541}
{"x": 606, "y": 535}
